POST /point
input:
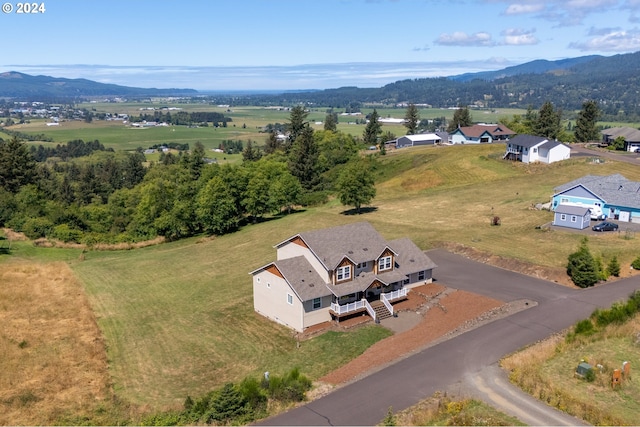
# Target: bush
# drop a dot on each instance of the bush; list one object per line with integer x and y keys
{"x": 34, "y": 228}
{"x": 584, "y": 327}
{"x": 66, "y": 234}
{"x": 614, "y": 267}
{"x": 636, "y": 264}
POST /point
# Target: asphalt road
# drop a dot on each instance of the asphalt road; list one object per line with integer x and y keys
{"x": 467, "y": 358}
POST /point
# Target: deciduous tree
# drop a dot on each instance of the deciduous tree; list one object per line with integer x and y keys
{"x": 356, "y": 185}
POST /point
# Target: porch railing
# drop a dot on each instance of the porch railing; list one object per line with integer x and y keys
{"x": 346, "y": 308}
{"x": 370, "y": 310}
{"x": 390, "y": 296}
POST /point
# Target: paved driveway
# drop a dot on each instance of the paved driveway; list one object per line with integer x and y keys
{"x": 465, "y": 357}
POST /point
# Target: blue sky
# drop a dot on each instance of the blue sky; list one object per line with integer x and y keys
{"x": 305, "y": 44}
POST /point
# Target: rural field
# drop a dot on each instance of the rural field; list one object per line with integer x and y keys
{"x": 177, "y": 318}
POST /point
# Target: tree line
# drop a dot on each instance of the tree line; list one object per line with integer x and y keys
{"x": 112, "y": 197}
{"x": 184, "y": 118}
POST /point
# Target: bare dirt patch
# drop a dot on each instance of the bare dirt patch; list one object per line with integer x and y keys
{"x": 53, "y": 361}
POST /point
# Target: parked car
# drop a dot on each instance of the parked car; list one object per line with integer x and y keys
{"x": 605, "y": 226}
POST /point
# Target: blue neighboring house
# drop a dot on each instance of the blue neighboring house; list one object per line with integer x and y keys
{"x": 614, "y": 196}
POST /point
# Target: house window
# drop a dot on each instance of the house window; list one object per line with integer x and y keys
{"x": 574, "y": 218}
{"x": 421, "y": 275}
{"x": 258, "y": 279}
{"x": 343, "y": 273}
{"x": 535, "y": 150}
{"x": 563, "y": 217}
{"x": 362, "y": 265}
{"x": 290, "y": 299}
{"x": 268, "y": 285}
{"x": 317, "y": 303}
{"x": 384, "y": 263}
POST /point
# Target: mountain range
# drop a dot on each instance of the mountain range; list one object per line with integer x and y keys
{"x": 614, "y": 81}
{"x": 19, "y": 85}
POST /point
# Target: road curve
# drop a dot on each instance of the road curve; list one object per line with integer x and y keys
{"x": 465, "y": 357}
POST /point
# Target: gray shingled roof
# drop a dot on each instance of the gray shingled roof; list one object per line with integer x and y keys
{"x": 613, "y": 189}
{"x": 572, "y": 210}
{"x": 527, "y": 141}
{"x": 359, "y": 242}
{"x": 410, "y": 258}
{"x": 629, "y": 134}
{"x": 302, "y": 277}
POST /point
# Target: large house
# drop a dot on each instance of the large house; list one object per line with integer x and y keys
{"x": 612, "y": 196}
{"x": 480, "y": 133}
{"x": 333, "y": 273}
{"x": 631, "y": 137}
{"x": 531, "y": 149}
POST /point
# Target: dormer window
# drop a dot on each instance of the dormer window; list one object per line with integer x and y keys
{"x": 384, "y": 263}
{"x": 343, "y": 273}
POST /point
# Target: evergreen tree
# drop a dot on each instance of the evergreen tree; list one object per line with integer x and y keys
{"x": 411, "y": 119}
{"x": 297, "y": 124}
{"x": 461, "y": 118}
{"x": 582, "y": 267}
{"x": 331, "y": 121}
{"x": 229, "y": 405}
{"x": 356, "y": 185}
{"x": 303, "y": 160}
{"x": 373, "y": 129}
{"x": 272, "y": 143}
{"x": 614, "y": 267}
{"x": 17, "y": 167}
{"x": 548, "y": 122}
{"x": 586, "y": 129}
{"x": 250, "y": 154}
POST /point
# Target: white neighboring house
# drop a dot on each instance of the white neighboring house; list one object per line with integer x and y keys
{"x": 531, "y": 149}
{"x": 419, "y": 139}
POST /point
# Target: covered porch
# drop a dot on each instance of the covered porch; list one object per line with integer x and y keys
{"x": 376, "y": 305}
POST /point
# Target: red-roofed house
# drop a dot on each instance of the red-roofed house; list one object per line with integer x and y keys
{"x": 480, "y": 133}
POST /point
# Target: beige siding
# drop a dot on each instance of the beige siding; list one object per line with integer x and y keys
{"x": 292, "y": 250}
{"x": 320, "y": 315}
{"x": 270, "y": 300}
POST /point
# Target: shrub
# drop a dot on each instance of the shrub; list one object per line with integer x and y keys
{"x": 636, "y": 264}
{"x": 614, "y": 267}
{"x": 590, "y": 375}
{"x": 66, "y": 234}
{"x": 34, "y": 228}
{"x": 584, "y": 327}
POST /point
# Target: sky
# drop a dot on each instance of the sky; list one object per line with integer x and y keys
{"x": 303, "y": 44}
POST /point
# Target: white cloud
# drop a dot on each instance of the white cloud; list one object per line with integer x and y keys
{"x": 612, "y": 41}
{"x": 460, "y": 38}
{"x": 517, "y": 37}
{"x": 519, "y": 8}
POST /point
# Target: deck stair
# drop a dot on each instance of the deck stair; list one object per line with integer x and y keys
{"x": 381, "y": 310}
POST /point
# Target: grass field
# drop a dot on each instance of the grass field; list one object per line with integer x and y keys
{"x": 178, "y": 318}
{"x": 246, "y": 125}
{"x": 546, "y": 370}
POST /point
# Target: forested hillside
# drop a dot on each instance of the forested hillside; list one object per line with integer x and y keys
{"x": 612, "y": 81}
